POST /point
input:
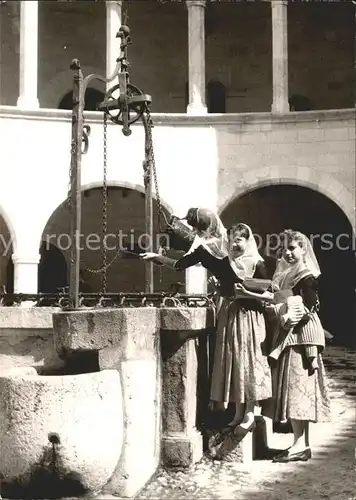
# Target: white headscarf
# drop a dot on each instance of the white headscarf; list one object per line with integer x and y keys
{"x": 214, "y": 238}
{"x": 287, "y": 275}
{"x": 251, "y": 256}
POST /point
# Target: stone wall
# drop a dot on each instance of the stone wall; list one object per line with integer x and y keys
{"x": 26, "y": 338}
{"x": 122, "y": 344}
{"x": 238, "y": 51}
{"x": 201, "y": 161}
{"x": 299, "y": 149}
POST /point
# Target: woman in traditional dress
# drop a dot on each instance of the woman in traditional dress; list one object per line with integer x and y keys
{"x": 241, "y": 373}
{"x": 299, "y": 381}
{"x": 244, "y": 380}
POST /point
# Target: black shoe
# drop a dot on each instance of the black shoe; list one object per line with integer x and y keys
{"x": 312, "y": 370}
{"x": 283, "y": 453}
{"x": 301, "y": 456}
{"x": 241, "y": 432}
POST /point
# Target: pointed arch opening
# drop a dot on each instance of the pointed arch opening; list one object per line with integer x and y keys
{"x": 125, "y": 231}
{"x": 273, "y": 208}
{"x": 7, "y": 244}
{"x": 93, "y": 98}
{"x": 216, "y": 97}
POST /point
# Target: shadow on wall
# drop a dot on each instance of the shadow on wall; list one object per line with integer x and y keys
{"x": 52, "y": 269}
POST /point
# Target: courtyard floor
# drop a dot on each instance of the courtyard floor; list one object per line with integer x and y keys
{"x": 329, "y": 475}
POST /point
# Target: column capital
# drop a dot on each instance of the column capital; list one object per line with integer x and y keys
{"x": 279, "y": 3}
{"x": 113, "y": 2}
{"x": 195, "y": 3}
{"x": 24, "y": 259}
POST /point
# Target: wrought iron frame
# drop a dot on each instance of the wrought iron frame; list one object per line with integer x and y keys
{"x": 90, "y": 300}
{"x": 130, "y": 99}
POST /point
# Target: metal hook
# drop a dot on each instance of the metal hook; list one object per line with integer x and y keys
{"x": 61, "y": 301}
{"x": 101, "y": 302}
{"x": 176, "y": 302}
{"x": 85, "y": 138}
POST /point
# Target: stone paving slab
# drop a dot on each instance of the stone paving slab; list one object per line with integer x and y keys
{"x": 329, "y": 475}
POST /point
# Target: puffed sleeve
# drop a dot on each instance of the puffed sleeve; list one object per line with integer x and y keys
{"x": 260, "y": 271}
{"x": 308, "y": 289}
{"x": 189, "y": 260}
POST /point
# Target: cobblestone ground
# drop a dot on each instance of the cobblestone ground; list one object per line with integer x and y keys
{"x": 329, "y": 475}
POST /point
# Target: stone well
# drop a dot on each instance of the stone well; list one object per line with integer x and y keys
{"x": 63, "y": 432}
{"x": 128, "y": 341}
{"x": 116, "y": 393}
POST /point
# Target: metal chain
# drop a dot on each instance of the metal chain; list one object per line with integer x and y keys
{"x": 105, "y": 206}
{"x": 103, "y": 268}
{"x": 153, "y": 162}
{"x": 155, "y": 179}
{"x": 105, "y": 264}
{"x": 68, "y": 201}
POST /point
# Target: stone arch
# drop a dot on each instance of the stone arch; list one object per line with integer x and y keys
{"x": 52, "y": 269}
{"x": 272, "y": 207}
{"x": 62, "y": 83}
{"x": 299, "y": 102}
{"x": 93, "y": 98}
{"x": 125, "y": 185}
{"x": 56, "y": 204}
{"x": 302, "y": 176}
{"x": 8, "y": 247}
{"x": 125, "y": 226}
{"x": 10, "y": 227}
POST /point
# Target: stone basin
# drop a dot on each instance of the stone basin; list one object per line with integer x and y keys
{"x": 59, "y": 434}
{"x": 129, "y": 328}
{"x": 127, "y": 340}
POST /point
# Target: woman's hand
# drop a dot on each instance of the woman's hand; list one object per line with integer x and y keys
{"x": 267, "y": 296}
{"x": 213, "y": 281}
{"x": 241, "y": 291}
{"x": 149, "y": 255}
{"x": 240, "y": 288}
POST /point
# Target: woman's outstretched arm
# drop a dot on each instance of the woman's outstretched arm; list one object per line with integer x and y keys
{"x": 159, "y": 259}
{"x": 187, "y": 261}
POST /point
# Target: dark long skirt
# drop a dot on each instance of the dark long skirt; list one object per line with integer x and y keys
{"x": 241, "y": 371}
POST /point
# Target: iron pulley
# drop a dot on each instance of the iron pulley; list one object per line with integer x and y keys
{"x": 125, "y": 104}
{"x": 127, "y": 100}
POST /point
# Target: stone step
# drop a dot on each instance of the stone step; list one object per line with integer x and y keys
{"x": 226, "y": 446}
